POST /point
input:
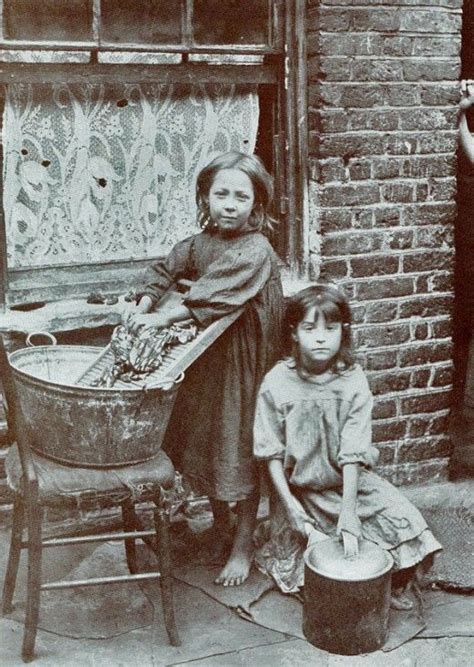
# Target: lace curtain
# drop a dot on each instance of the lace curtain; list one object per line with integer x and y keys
{"x": 95, "y": 173}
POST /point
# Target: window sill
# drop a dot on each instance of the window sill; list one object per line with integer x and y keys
{"x": 73, "y": 314}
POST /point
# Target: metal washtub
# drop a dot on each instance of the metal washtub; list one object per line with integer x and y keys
{"x": 89, "y": 426}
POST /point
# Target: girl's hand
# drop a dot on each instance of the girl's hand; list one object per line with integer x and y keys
{"x": 136, "y": 321}
{"x": 349, "y": 522}
{"x": 298, "y": 517}
{"x": 467, "y": 98}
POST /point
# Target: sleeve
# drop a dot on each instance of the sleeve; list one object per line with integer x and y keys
{"x": 237, "y": 276}
{"x": 356, "y": 435}
{"x": 165, "y": 272}
{"x": 268, "y": 432}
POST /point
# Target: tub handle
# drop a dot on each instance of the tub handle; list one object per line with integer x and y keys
{"x": 45, "y": 334}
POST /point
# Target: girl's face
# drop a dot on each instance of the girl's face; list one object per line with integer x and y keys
{"x": 318, "y": 341}
{"x": 231, "y": 200}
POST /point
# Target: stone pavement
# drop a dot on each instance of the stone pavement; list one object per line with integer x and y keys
{"x": 212, "y": 634}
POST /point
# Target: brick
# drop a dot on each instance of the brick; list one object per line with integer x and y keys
{"x": 430, "y": 69}
{"x": 387, "y": 167}
{"x": 332, "y": 169}
{"x": 374, "y": 266}
{"x": 424, "y": 449}
{"x": 334, "y": 269}
{"x": 349, "y": 195}
{"x": 420, "y": 378}
{"x": 435, "y": 237}
{"x": 351, "y": 244}
{"x": 361, "y": 96}
{"x": 424, "y": 402}
{"x": 362, "y": 218}
{"x": 442, "y": 377}
{"x": 428, "y": 165}
{"x": 388, "y": 382}
{"x": 348, "y": 146}
{"x": 427, "y": 261}
{"x": 441, "y": 282}
{"x": 432, "y": 213}
{"x": 359, "y": 170}
{"x": 375, "y": 19}
{"x": 400, "y": 239}
{"x": 387, "y": 216}
{"x": 420, "y": 331}
{"x": 439, "y": 45}
{"x": 398, "y": 192}
{"x": 332, "y": 20}
{"x": 443, "y": 189}
{"x": 384, "y": 408}
{"x": 402, "y": 95}
{"x": 423, "y": 425}
{"x": 442, "y": 329}
{"x": 332, "y": 220}
{"x": 376, "y": 361}
{"x": 425, "y": 353}
{"x": 439, "y": 95}
{"x": 376, "y": 70}
{"x": 394, "y": 334}
{"x": 439, "y": 142}
{"x": 433, "y": 20}
{"x": 425, "y": 306}
{"x": 432, "y": 471}
{"x": 389, "y": 287}
{"x": 425, "y": 119}
{"x": 387, "y": 431}
{"x": 387, "y": 453}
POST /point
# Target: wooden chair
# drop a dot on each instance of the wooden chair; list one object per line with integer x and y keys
{"x": 38, "y": 483}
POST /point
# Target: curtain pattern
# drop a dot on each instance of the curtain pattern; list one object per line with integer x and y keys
{"x": 94, "y": 173}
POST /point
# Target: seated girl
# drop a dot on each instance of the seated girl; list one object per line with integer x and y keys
{"x": 313, "y": 430}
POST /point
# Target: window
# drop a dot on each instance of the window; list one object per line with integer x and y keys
{"x": 94, "y": 84}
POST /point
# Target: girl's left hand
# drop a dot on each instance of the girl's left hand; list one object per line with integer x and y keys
{"x": 156, "y": 320}
{"x": 349, "y": 522}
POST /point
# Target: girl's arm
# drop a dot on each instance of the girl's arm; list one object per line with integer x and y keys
{"x": 294, "y": 509}
{"x": 160, "y": 319}
{"x": 348, "y": 521}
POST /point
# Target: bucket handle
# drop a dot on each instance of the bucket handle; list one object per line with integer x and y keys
{"x": 45, "y": 334}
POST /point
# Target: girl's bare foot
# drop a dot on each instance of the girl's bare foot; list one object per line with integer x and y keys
{"x": 237, "y": 568}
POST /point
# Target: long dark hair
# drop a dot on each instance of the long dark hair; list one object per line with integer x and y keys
{"x": 334, "y": 305}
{"x": 251, "y": 165}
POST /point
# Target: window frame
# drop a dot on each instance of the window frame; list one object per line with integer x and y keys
{"x": 284, "y": 71}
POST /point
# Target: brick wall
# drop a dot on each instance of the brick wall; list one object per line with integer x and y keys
{"x": 383, "y": 92}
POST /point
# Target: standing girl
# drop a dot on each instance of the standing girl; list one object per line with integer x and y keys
{"x": 313, "y": 429}
{"x": 232, "y": 266}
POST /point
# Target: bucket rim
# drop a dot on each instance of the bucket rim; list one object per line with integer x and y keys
{"x": 167, "y": 383}
{"x": 385, "y": 570}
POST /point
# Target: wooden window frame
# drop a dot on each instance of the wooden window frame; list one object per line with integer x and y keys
{"x": 283, "y": 71}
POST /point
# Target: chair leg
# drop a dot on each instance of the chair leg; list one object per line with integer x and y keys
{"x": 163, "y": 548}
{"x": 34, "y": 519}
{"x": 129, "y": 524}
{"x": 13, "y": 555}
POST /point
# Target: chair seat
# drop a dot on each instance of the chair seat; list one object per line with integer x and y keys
{"x": 59, "y": 484}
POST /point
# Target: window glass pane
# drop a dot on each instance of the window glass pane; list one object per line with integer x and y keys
{"x": 230, "y": 22}
{"x": 141, "y": 21}
{"x": 59, "y": 20}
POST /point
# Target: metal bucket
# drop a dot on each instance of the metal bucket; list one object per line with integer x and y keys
{"x": 88, "y": 426}
{"x": 346, "y": 601}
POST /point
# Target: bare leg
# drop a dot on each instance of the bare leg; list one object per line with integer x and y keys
{"x": 237, "y": 568}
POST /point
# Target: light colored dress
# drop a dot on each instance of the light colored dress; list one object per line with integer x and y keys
{"x": 315, "y": 426}
{"x": 209, "y": 436}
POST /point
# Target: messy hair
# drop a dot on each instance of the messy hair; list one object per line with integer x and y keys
{"x": 334, "y": 305}
{"x": 251, "y": 165}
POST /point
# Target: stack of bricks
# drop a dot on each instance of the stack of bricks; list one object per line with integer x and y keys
{"x": 383, "y": 91}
